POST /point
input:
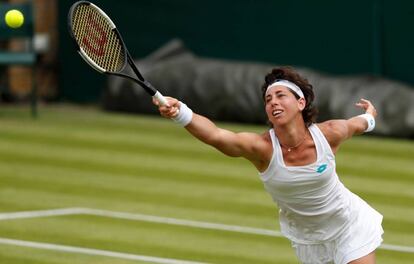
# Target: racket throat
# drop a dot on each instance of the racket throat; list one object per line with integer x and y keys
{"x": 150, "y": 89}
{"x": 134, "y": 67}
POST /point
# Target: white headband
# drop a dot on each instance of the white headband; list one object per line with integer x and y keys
{"x": 287, "y": 84}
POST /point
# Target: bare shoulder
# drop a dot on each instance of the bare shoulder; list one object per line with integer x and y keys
{"x": 260, "y": 148}
{"x": 335, "y": 131}
{"x": 259, "y": 142}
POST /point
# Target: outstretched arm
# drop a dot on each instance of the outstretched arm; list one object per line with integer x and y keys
{"x": 247, "y": 145}
{"x": 336, "y": 131}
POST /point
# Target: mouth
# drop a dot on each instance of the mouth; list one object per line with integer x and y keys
{"x": 277, "y": 113}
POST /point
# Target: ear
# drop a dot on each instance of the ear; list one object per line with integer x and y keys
{"x": 301, "y": 103}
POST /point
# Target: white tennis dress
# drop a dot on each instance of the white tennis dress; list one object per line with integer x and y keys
{"x": 325, "y": 222}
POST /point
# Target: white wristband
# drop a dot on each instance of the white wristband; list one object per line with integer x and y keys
{"x": 370, "y": 120}
{"x": 184, "y": 116}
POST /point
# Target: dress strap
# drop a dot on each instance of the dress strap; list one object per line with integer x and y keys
{"x": 321, "y": 139}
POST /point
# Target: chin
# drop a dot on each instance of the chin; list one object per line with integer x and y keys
{"x": 278, "y": 122}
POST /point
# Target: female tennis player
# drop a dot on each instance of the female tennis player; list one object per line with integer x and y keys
{"x": 325, "y": 222}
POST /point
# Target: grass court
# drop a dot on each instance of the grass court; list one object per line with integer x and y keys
{"x": 139, "y": 189}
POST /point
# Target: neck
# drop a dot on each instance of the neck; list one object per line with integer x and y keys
{"x": 291, "y": 135}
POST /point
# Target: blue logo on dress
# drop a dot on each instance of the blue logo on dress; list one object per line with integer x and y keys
{"x": 322, "y": 168}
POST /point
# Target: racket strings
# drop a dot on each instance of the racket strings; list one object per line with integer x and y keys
{"x": 97, "y": 38}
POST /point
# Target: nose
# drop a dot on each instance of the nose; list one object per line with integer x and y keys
{"x": 274, "y": 101}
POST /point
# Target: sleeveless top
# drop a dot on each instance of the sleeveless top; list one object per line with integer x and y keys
{"x": 314, "y": 206}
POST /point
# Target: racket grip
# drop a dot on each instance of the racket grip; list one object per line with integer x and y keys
{"x": 160, "y": 98}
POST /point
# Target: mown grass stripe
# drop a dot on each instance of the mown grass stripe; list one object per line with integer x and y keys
{"x": 382, "y": 186}
{"x": 74, "y": 177}
{"x": 90, "y": 251}
{"x": 380, "y": 147}
{"x": 178, "y": 173}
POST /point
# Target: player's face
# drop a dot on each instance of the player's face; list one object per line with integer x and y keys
{"x": 282, "y": 106}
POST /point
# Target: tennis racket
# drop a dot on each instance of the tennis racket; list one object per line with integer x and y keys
{"x": 100, "y": 44}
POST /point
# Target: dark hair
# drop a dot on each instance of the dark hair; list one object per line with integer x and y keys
{"x": 310, "y": 112}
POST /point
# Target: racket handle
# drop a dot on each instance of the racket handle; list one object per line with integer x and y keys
{"x": 160, "y": 98}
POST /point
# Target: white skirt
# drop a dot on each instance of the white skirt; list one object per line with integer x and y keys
{"x": 361, "y": 237}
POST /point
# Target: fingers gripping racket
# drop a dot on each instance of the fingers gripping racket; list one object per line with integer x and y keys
{"x": 100, "y": 44}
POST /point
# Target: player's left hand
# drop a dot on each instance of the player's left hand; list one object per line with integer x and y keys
{"x": 367, "y": 106}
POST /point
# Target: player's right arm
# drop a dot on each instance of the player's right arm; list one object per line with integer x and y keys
{"x": 339, "y": 130}
{"x": 248, "y": 145}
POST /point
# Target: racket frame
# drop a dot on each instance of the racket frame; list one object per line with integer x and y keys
{"x": 140, "y": 80}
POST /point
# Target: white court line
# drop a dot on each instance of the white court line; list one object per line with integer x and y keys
{"x": 95, "y": 252}
{"x": 140, "y": 217}
{"x": 182, "y": 222}
{"x": 166, "y": 220}
{"x": 397, "y": 248}
{"x": 41, "y": 213}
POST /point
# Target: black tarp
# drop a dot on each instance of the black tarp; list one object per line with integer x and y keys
{"x": 230, "y": 90}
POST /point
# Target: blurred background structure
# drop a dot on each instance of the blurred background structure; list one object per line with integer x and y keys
{"x": 17, "y": 80}
{"x": 334, "y": 38}
{"x": 337, "y": 37}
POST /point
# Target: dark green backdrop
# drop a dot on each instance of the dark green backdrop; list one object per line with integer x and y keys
{"x": 334, "y": 36}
